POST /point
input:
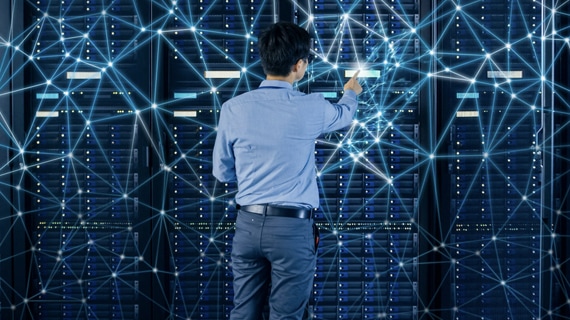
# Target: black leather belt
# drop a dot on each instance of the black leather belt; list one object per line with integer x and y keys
{"x": 270, "y": 210}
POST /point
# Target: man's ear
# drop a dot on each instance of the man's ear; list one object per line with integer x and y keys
{"x": 297, "y": 66}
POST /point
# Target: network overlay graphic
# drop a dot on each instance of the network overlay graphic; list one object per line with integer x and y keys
{"x": 445, "y": 199}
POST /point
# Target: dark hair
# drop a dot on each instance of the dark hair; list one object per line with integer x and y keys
{"x": 281, "y": 46}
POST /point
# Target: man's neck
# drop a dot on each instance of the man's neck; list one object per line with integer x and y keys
{"x": 289, "y": 78}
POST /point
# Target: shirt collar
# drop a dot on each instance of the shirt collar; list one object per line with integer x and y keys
{"x": 276, "y": 83}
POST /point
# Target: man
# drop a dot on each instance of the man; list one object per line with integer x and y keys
{"x": 266, "y": 142}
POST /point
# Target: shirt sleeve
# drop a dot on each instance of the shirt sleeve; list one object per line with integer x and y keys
{"x": 223, "y": 154}
{"x": 341, "y": 113}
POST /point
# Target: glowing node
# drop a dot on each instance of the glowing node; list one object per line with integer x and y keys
{"x": 247, "y": 36}
{"x": 213, "y": 89}
{"x": 345, "y": 16}
{"x": 159, "y": 31}
{"x": 429, "y": 75}
{"x": 48, "y": 82}
{"x": 413, "y": 30}
{"x": 155, "y": 270}
{"x": 78, "y": 59}
{"x": 494, "y": 238}
{"x": 104, "y": 12}
{"x": 335, "y": 66}
{"x": 432, "y": 156}
{"x": 162, "y": 212}
{"x": 485, "y": 154}
{"x": 431, "y": 52}
{"x": 488, "y": 55}
{"x": 103, "y": 69}
{"x": 524, "y": 198}
{"x": 17, "y": 48}
{"x": 193, "y": 29}
{"x": 114, "y": 274}
{"x": 473, "y": 80}
{"x": 143, "y": 29}
{"x": 171, "y": 11}
{"x": 125, "y": 196}
{"x": 244, "y": 69}
{"x": 508, "y": 45}
{"x": 513, "y": 96}
{"x": 137, "y": 112}
{"x": 458, "y": 8}
{"x": 65, "y": 93}
{"x": 311, "y": 17}
{"x": 86, "y": 35}
{"x": 61, "y": 39}
{"x": 212, "y": 199}
{"x": 154, "y": 106}
{"x": 542, "y": 78}
{"x": 67, "y": 54}
{"x": 20, "y": 213}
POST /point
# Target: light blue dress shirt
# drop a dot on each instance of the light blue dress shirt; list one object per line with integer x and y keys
{"x": 266, "y": 142}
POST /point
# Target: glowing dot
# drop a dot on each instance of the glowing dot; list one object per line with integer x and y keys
{"x": 335, "y": 66}
{"x": 103, "y": 69}
{"x": 171, "y": 11}
{"x": 494, "y": 238}
{"x": 413, "y": 30}
{"x": 110, "y": 64}
{"x": 485, "y": 154}
{"x": 386, "y": 39}
{"x": 513, "y": 96}
{"x": 62, "y": 39}
{"x": 162, "y": 212}
{"x": 155, "y": 270}
{"x": 543, "y": 78}
{"x": 432, "y": 156}
{"x": 244, "y": 69}
{"x": 86, "y": 35}
{"x": 429, "y": 75}
{"x": 159, "y": 31}
{"x": 193, "y": 29}
{"x": 48, "y": 82}
{"x": 213, "y": 89}
{"x": 311, "y": 17}
{"x": 154, "y": 106}
{"x": 114, "y": 274}
{"x": 473, "y": 80}
{"x": 503, "y": 282}
{"x": 431, "y": 52}
{"x": 67, "y": 54}
{"x": 345, "y": 16}
{"x": 65, "y": 93}
{"x": 78, "y": 59}
{"x": 458, "y": 8}
{"x": 447, "y": 69}
{"x": 247, "y": 35}
{"x": 143, "y": 29}
{"x": 508, "y": 45}
{"x": 529, "y": 35}
{"x": 137, "y": 111}
{"x": 125, "y": 196}
{"x": 488, "y": 55}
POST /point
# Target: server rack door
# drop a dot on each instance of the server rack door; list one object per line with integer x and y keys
{"x": 85, "y": 151}
{"x": 490, "y": 89}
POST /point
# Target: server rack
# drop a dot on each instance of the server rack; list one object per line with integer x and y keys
{"x": 495, "y": 172}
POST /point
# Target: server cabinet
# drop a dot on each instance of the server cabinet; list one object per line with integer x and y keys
{"x": 85, "y": 158}
{"x": 495, "y": 152}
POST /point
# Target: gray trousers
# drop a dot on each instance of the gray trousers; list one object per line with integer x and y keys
{"x": 273, "y": 256}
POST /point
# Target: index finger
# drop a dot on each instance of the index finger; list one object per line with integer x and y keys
{"x": 355, "y": 75}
